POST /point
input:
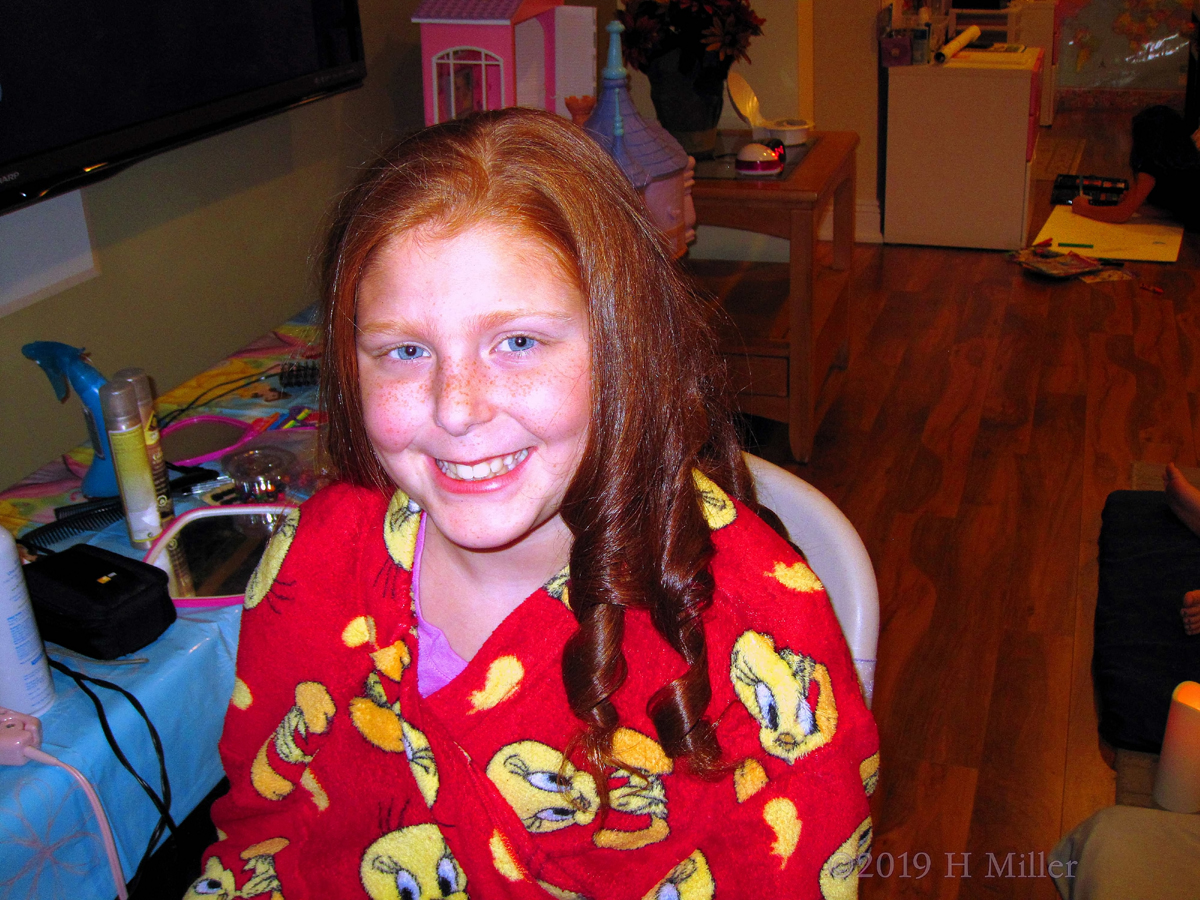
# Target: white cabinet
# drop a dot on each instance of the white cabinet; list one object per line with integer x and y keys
{"x": 959, "y": 147}
{"x": 1033, "y": 23}
{"x": 1037, "y": 26}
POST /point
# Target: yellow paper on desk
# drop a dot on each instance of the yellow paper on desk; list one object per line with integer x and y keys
{"x": 1137, "y": 239}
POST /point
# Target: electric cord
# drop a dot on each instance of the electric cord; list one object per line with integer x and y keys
{"x": 106, "y": 835}
{"x": 79, "y": 678}
{"x": 163, "y": 803}
{"x": 190, "y": 476}
{"x": 238, "y": 383}
{"x": 294, "y": 373}
{"x": 21, "y": 739}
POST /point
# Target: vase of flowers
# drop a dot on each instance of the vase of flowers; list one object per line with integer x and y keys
{"x": 685, "y": 48}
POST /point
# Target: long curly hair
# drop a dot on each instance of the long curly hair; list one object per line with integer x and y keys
{"x": 658, "y": 393}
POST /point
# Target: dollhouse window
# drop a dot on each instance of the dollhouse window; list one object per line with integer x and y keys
{"x": 467, "y": 80}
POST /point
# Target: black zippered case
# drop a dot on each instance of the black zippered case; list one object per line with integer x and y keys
{"x": 97, "y": 602}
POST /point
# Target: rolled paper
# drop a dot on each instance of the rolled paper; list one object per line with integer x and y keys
{"x": 949, "y": 49}
{"x": 1177, "y": 784}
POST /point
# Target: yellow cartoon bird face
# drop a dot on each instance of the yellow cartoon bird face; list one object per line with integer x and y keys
{"x": 690, "y": 880}
{"x": 400, "y": 528}
{"x": 268, "y": 567}
{"x": 412, "y": 863}
{"x": 869, "y": 770}
{"x": 420, "y": 760}
{"x": 839, "y": 875}
{"x": 788, "y": 694}
{"x": 560, "y": 893}
{"x": 718, "y": 509}
{"x": 217, "y": 883}
{"x": 546, "y": 791}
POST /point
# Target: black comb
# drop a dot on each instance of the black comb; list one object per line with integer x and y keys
{"x": 301, "y": 373}
{"x": 40, "y": 539}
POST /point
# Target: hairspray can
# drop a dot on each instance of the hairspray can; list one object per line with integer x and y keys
{"x": 25, "y": 684}
{"x": 158, "y": 463}
{"x": 123, "y": 421}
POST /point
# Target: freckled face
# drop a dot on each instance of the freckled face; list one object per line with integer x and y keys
{"x": 473, "y": 361}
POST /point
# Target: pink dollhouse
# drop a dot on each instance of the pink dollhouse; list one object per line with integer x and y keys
{"x": 488, "y": 54}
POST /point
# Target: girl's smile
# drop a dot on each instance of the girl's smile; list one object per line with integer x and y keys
{"x": 474, "y": 367}
{"x": 483, "y": 470}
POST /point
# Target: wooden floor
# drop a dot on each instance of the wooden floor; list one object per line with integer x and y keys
{"x": 982, "y": 421}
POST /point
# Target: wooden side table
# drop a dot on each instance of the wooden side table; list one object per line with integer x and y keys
{"x": 792, "y": 321}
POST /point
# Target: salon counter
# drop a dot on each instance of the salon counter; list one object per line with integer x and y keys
{"x": 31, "y": 502}
{"x": 49, "y": 842}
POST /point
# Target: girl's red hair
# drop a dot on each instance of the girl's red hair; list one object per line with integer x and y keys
{"x": 658, "y": 390}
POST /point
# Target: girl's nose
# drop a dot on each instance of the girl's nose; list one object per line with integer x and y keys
{"x": 461, "y": 397}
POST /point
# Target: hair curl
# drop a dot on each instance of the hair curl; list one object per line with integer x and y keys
{"x": 659, "y": 406}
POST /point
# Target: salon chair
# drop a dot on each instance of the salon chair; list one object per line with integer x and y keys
{"x": 836, "y": 554}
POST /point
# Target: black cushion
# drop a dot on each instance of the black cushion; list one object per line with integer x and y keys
{"x": 1148, "y": 561}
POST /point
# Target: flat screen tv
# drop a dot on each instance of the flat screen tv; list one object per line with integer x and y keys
{"x": 89, "y": 86}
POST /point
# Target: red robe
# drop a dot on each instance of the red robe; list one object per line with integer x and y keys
{"x": 347, "y": 783}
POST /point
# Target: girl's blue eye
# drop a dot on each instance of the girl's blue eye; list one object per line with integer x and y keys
{"x": 409, "y": 351}
{"x": 519, "y": 343}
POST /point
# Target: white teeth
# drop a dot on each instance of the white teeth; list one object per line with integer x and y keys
{"x": 489, "y": 468}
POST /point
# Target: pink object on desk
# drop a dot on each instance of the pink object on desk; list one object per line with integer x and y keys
{"x": 164, "y": 556}
{"x": 180, "y": 424}
{"x": 249, "y": 430}
{"x": 759, "y": 159}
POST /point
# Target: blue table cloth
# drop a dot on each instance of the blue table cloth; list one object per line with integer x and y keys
{"x": 49, "y": 841}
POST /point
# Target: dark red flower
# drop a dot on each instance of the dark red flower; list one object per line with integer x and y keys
{"x": 720, "y": 29}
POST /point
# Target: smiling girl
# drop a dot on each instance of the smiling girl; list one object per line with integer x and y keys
{"x": 535, "y": 642}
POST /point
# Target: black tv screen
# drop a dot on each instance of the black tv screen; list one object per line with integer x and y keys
{"x": 89, "y": 86}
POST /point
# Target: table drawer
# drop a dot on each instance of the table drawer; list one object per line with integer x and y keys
{"x": 761, "y": 376}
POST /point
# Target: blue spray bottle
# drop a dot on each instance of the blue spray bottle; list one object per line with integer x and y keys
{"x": 63, "y": 363}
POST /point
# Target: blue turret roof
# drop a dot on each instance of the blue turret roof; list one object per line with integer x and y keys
{"x": 645, "y": 150}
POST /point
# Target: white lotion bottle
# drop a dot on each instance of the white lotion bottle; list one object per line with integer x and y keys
{"x": 25, "y": 684}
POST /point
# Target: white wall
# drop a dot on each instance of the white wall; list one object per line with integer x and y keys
{"x": 205, "y": 247}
